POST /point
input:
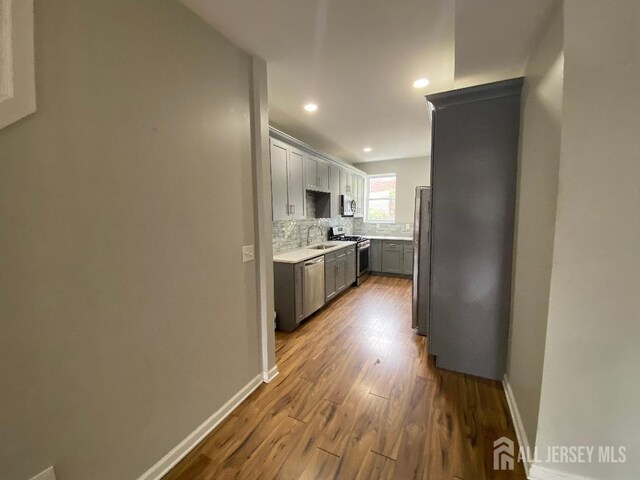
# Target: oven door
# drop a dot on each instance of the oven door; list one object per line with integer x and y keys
{"x": 363, "y": 261}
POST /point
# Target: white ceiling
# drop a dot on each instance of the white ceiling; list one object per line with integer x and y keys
{"x": 357, "y": 60}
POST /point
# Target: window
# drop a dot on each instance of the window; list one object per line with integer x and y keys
{"x": 381, "y": 198}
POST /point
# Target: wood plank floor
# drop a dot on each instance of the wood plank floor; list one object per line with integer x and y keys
{"x": 358, "y": 397}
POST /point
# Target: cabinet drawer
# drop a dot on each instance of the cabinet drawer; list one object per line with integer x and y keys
{"x": 329, "y": 256}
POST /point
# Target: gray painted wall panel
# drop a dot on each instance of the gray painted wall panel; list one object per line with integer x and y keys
{"x": 475, "y": 149}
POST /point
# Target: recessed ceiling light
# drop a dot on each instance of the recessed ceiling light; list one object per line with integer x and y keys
{"x": 311, "y": 107}
{"x": 421, "y": 83}
{"x": 367, "y": 149}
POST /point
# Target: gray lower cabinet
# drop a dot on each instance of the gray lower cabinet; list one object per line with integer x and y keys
{"x": 407, "y": 258}
{"x": 330, "y": 276}
{"x": 341, "y": 270}
{"x": 299, "y": 292}
{"x": 351, "y": 265}
{"x": 375, "y": 256}
{"x": 392, "y": 256}
{"x": 288, "y": 294}
{"x": 339, "y": 274}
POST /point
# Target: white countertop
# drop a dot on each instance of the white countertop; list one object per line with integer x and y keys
{"x": 302, "y": 254}
{"x": 379, "y": 237}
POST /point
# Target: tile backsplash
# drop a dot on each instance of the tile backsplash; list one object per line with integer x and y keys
{"x": 360, "y": 227}
{"x": 291, "y": 234}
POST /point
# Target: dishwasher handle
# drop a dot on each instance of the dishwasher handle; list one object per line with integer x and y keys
{"x": 314, "y": 261}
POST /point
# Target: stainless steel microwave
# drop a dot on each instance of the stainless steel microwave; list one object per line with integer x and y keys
{"x": 347, "y": 206}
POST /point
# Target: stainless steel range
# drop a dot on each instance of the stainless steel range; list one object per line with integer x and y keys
{"x": 362, "y": 248}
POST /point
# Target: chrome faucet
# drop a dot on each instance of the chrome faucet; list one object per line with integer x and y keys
{"x": 309, "y": 232}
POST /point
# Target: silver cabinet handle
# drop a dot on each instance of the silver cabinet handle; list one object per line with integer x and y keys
{"x": 293, "y": 209}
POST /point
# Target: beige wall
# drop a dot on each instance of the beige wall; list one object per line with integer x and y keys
{"x": 535, "y": 220}
{"x": 126, "y": 318}
{"x": 410, "y": 173}
{"x": 591, "y": 386}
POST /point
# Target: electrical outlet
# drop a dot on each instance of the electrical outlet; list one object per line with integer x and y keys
{"x": 248, "y": 253}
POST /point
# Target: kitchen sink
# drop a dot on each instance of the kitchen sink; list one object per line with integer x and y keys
{"x": 322, "y": 247}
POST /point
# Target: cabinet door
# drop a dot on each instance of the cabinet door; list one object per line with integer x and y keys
{"x": 361, "y": 195}
{"x": 343, "y": 181}
{"x": 354, "y": 194}
{"x": 391, "y": 257}
{"x": 323, "y": 176}
{"x": 375, "y": 255}
{"x": 334, "y": 188}
{"x": 330, "y": 275}
{"x": 351, "y": 265}
{"x": 407, "y": 260}
{"x": 296, "y": 184}
{"x": 311, "y": 172}
{"x": 279, "y": 180}
{"x": 298, "y": 291}
{"x": 341, "y": 273}
{"x": 350, "y": 183}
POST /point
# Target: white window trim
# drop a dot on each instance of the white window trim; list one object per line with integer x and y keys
{"x": 366, "y": 211}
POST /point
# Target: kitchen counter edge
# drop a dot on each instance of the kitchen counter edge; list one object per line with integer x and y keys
{"x": 303, "y": 254}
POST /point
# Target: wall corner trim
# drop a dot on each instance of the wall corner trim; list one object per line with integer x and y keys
{"x": 269, "y": 375}
{"x": 167, "y": 462}
{"x": 543, "y": 473}
{"x": 521, "y": 434}
{"x": 17, "y": 64}
{"x": 48, "y": 474}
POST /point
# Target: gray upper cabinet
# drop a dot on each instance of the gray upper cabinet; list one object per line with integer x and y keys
{"x": 296, "y": 184}
{"x": 359, "y": 194}
{"x": 280, "y": 180}
{"x": 392, "y": 256}
{"x": 287, "y": 181}
{"x": 294, "y": 171}
{"x": 316, "y": 174}
{"x": 346, "y": 182}
{"x": 334, "y": 188}
{"x": 323, "y": 176}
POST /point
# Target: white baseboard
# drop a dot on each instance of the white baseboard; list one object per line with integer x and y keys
{"x": 167, "y": 462}
{"x": 521, "y": 434}
{"x": 267, "y": 376}
{"x": 543, "y": 473}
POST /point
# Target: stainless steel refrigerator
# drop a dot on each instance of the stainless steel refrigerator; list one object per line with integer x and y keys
{"x": 421, "y": 260}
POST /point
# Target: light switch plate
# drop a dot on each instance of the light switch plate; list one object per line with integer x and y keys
{"x": 248, "y": 254}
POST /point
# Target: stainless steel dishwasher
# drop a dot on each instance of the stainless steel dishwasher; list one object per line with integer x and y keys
{"x": 313, "y": 286}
